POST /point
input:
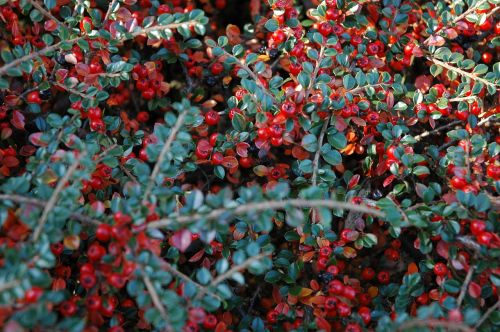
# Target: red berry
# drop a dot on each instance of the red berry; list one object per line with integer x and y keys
{"x": 32, "y": 295}
{"x": 288, "y": 109}
{"x": 95, "y": 252}
{"x": 86, "y": 24}
{"x": 368, "y": 273}
{"x": 210, "y": 322}
{"x": 212, "y": 118}
{"x": 383, "y": 277}
{"x": 487, "y": 57}
{"x": 34, "y": 97}
{"x": 217, "y": 158}
{"x": 440, "y": 269}
{"x": 87, "y": 280}
{"x": 103, "y": 232}
{"x": 148, "y": 94}
{"x": 68, "y": 308}
{"x": 484, "y": 238}
{"x": 217, "y": 68}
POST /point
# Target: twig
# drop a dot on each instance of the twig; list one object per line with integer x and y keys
{"x": 462, "y": 98}
{"x": 465, "y": 286}
{"x": 186, "y": 278}
{"x": 55, "y": 195}
{"x": 267, "y": 205}
{"x": 250, "y": 72}
{"x": 54, "y": 47}
{"x": 318, "y": 152}
{"x": 156, "y": 300}
{"x": 437, "y": 130}
{"x": 45, "y": 12}
{"x": 456, "y": 19}
{"x": 33, "y": 55}
{"x": 110, "y": 10}
{"x": 315, "y": 72}
{"x": 452, "y": 326}
{"x": 461, "y": 72}
{"x": 401, "y": 211}
{"x": 40, "y": 203}
{"x": 159, "y": 28}
{"x": 9, "y": 285}
{"x": 487, "y": 314}
{"x": 229, "y": 273}
{"x": 163, "y": 154}
{"x": 71, "y": 90}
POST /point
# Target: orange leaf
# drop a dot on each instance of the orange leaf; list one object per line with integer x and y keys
{"x": 233, "y": 33}
{"x": 412, "y": 268}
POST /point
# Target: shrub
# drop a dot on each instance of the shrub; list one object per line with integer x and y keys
{"x": 249, "y": 165}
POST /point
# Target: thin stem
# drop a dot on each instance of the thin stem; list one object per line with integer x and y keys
{"x": 156, "y": 300}
{"x": 318, "y": 152}
{"x": 184, "y": 277}
{"x": 462, "y": 98}
{"x": 315, "y": 72}
{"x": 487, "y": 314}
{"x": 54, "y": 197}
{"x": 9, "y": 285}
{"x": 163, "y": 154}
{"x": 451, "y": 326}
{"x": 33, "y": 55}
{"x": 45, "y": 12}
{"x": 465, "y": 286}
{"x": 437, "y": 130}
{"x": 461, "y": 72}
{"x": 251, "y": 73}
{"x": 229, "y": 273}
{"x": 110, "y": 10}
{"x": 262, "y": 206}
{"x": 71, "y": 90}
{"x": 40, "y": 203}
{"x": 456, "y": 19}
{"x": 54, "y": 47}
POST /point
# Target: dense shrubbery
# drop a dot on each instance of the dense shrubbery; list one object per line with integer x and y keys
{"x": 249, "y": 165}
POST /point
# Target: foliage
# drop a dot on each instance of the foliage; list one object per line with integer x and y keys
{"x": 313, "y": 165}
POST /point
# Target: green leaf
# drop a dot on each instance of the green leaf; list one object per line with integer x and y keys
{"x": 310, "y": 143}
{"x": 272, "y": 25}
{"x": 333, "y": 157}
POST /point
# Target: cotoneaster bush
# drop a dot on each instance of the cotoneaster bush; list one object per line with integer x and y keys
{"x": 274, "y": 165}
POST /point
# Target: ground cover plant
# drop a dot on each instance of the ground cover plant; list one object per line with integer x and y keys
{"x": 223, "y": 165}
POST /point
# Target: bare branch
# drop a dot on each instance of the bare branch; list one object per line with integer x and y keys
{"x": 45, "y": 12}
{"x": 184, "y": 277}
{"x": 33, "y": 55}
{"x": 163, "y": 154}
{"x": 229, "y": 273}
{"x": 462, "y": 72}
{"x": 268, "y": 205}
{"x": 37, "y": 202}
{"x": 55, "y": 195}
{"x": 487, "y": 314}
{"x": 9, "y": 285}
{"x": 156, "y": 300}
{"x": 450, "y": 326}
{"x": 456, "y": 19}
{"x": 465, "y": 286}
{"x": 315, "y": 72}
{"x": 318, "y": 152}
{"x": 437, "y": 130}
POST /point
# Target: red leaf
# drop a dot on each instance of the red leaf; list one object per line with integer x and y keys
{"x": 322, "y": 324}
{"x": 242, "y": 149}
{"x": 353, "y": 181}
{"x": 388, "y": 180}
{"x": 474, "y": 290}
{"x": 181, "y": 239}
{"x": 17, "y": 120}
